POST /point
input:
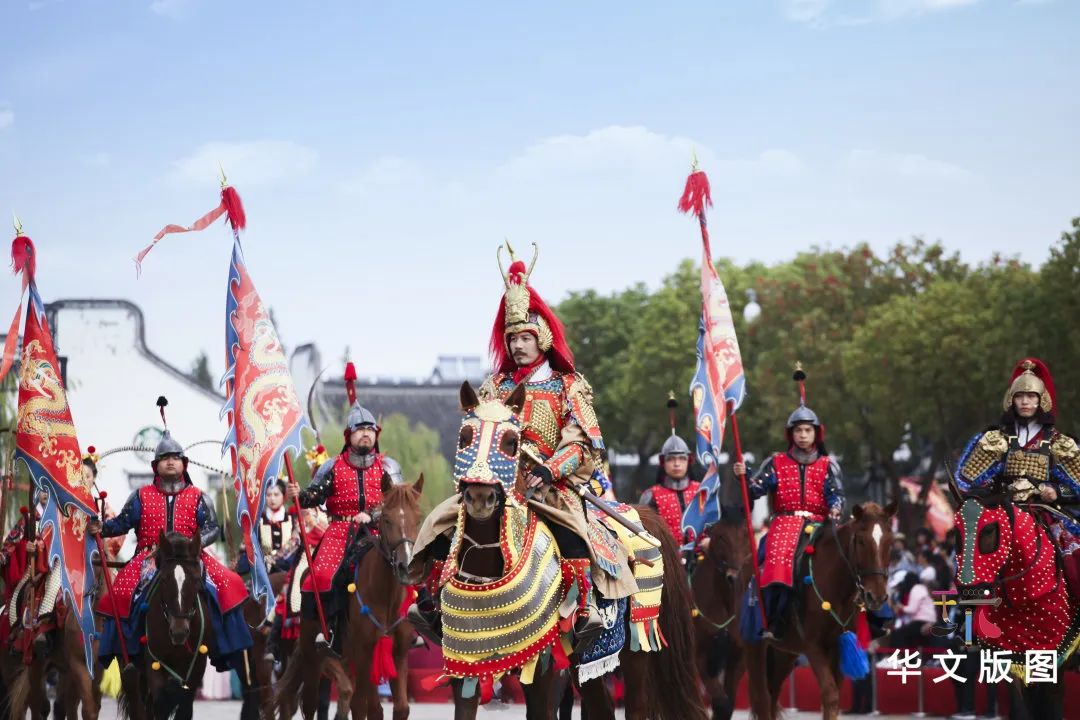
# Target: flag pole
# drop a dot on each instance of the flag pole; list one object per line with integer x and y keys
{"x": 744, "y": 486}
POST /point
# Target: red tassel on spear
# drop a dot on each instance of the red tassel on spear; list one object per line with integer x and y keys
{"x": 697, "y": 195}
{"x": 350, "y": 382}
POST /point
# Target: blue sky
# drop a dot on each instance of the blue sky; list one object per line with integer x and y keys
{"x": 383, "y": 150}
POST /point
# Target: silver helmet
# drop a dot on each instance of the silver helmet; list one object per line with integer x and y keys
{"x": 674, "y": 445}
{"x": 168, "y": 446}
{"x": 802, "y": 415}
{"x": 360, "y": 416}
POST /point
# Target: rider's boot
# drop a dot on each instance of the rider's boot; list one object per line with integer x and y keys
{"x": 425, "y": 617}
{"x": 589, "y": 624}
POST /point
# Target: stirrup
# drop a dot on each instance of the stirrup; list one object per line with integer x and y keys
{"x": 427, "y": 627}
{"x": 325, "y": 647}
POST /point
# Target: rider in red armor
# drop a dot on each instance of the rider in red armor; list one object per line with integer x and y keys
{"x": 171, "y": 503}
{"x": 1028, "y": 457}
{"x": 670, "y": 496}
{"x": 350, "y": 486}
{"x": 804, "y": 483}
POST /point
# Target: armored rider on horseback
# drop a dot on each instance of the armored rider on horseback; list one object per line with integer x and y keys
{"x": 559, "y": 451}
{"x": 1027, "y": 456}
{"x": 670, "y": 496}
{"x": 171, "y": 503}
{"x": 805, "y": 485}
{"x": 350, "y": 485}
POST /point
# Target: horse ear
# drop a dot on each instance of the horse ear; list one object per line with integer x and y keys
{"x": 387, "y": 482}
{"x": 161, "y": 541}
{"x": 468, "y": 397}
{"x": 418, "y": 486}
{"x": 516, "y": 401}
{"x": 891, "y": 508}
{"x": 196, "y": 544}
{"x": 857, "y": 512}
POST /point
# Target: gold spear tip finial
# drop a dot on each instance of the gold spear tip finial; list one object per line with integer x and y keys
{"x": 16, "y": 223}
{"x": 799, "y": 373}
{"x": 693, "y": 159}
{"x": 221, "y": 170}
{"x": 510, "y": 249}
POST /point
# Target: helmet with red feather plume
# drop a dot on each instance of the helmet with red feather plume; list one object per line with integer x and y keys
{"x": 1031, "y": 375}
{"x": 523, "y": 310}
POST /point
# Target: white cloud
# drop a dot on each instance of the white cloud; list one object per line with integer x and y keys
{"x": 7, "y": 118}
{"x": 386, "y": 171}
{"x": 909, "y": 165}
{"x": 170, "y": 8}
{"x": 860, "y": 12}
{"x": 248, "y": 163}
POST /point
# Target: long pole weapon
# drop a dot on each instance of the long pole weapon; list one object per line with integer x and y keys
{"x": 107, "y": 574}
{"x": 307, "y": 552}
{"x": 695, "y": 197}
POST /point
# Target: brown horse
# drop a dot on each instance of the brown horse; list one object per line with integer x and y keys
{"x": 163, "y": 680}
{"x": 848, "y": 573}
{"x": 725, "y": 549}
{"x": 376, "y": 632}
{"x": 661, "y": 685}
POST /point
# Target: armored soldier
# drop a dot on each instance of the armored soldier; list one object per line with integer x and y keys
{"x": 560, "y": 448}
{"x": 1027, "y": 456}
{"x": 350, "y": 486}
{"x": 171, "y": 503}
{"x": 805, "y": 485}
{"x": 670, "y": 496}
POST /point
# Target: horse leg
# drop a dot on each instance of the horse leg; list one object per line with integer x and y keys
{"x": 399, "y": 686}
{"x": 761, "y": 705}
{"x": 711, "y": 669}
{"x": 639, "y": 692}
{"x": 734, "y": 669}
{"x": 80, "y": 692}
{"x": 464, "y": 708}
{"x": 822, "y": 664}
{"x": 332, "y": 668}
{"x": 778, "y": 665}
{"x": 539, "y": 696}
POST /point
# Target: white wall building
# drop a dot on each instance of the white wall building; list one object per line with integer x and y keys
{"x": 113, "y": 382}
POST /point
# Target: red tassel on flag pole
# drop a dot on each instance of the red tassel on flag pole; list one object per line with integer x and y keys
{"x": 697, "y": 194}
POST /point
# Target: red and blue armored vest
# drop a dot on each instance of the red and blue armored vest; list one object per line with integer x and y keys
{"x": 156, "y": 516}
{"x": 341, "y": 505}
{"x": 671, "y": 504}
{"x": 799, "y": 497}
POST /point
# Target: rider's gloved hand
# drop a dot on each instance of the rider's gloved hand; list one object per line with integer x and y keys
{"x": 540, "y": 476}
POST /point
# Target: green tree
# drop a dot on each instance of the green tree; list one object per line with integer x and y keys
{"x": 200, "y": 372}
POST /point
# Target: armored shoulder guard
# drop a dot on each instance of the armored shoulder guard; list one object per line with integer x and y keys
{"x": 392, "y": 468}
{"x": 579, "y": 398}
{"x": 1066, "y": 455}
{"x": 982, "y": 454}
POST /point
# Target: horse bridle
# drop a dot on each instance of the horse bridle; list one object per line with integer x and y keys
{"x": 856, "y": 573}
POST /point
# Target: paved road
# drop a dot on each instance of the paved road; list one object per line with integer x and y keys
{"x": 210, "y": 710}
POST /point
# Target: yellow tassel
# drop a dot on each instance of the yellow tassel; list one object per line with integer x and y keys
{"x": 351, "y": 587}
{"x": 809, "y": 530}
{"x": 528, "y": 670}
{"x": 695, "y": 612}
{"x": 826, "y": 606}
{"x": 155, "y": 665}
{"x": 110, "y": 680}
{"x": 203, "y": 649}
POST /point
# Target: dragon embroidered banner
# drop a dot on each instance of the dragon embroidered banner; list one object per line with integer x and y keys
{"x": 718, "y": 379}
{"x": 45, "y": 442}
{"x": 265, "y": 415}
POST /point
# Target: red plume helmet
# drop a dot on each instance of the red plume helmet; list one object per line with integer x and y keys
{"x": 522, "y": 309}
{"x": 1032, "y": 375}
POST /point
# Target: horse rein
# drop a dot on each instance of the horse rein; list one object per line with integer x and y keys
{"x": 856, "y": 573}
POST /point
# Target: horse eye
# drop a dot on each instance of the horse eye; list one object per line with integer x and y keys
{"x": 509, "y": 444}
{"x": 465, "y": 438}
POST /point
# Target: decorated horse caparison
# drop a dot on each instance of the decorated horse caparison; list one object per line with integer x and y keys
{"x": 1007, "y": 564}
{"x": 508, "y": 600}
